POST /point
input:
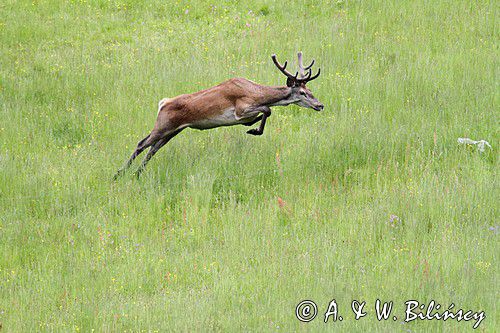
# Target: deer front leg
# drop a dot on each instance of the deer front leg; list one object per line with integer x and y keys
{"x": 256, "y": 120}
{"x": 266, "y": 112}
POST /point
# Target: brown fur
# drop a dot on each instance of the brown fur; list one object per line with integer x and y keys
{"x": 239, "y": 93}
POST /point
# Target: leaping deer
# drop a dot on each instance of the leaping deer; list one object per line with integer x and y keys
{"x": 233, "y": 102}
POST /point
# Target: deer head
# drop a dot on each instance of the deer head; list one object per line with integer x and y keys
{"x": 301, "y": 95}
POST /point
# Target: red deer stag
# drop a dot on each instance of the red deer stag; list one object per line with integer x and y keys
{"x": 233, "y": 102}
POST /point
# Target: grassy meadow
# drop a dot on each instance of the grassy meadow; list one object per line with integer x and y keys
{"x": 371, "y": 198}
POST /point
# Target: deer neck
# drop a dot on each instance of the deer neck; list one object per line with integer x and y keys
{"x": 281, "y": 95}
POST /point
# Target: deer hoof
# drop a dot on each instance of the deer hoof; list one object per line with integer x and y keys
{"x": 254, "y": 132}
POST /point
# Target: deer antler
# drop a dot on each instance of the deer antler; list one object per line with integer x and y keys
{"x": 290, "y": 78}
{"x": 295, "y": 80}
{"x": 301, "y": 66}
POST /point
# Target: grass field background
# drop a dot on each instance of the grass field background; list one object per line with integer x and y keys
{"x": 371, "y": 198}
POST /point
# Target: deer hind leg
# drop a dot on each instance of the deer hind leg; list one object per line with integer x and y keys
{"x": 148, "y": 141}
{"x": 154, "y": 148}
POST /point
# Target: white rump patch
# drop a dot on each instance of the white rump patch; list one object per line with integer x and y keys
{"x": 162, "y": 102}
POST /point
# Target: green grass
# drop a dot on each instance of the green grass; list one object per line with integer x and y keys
{"x": 229, "y": 232}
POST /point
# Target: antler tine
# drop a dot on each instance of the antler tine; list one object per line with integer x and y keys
{"x": 308, "y": 75}
{"x": 315, "y": 76}
{"x": 282, "y": 68}
{"x": 305, "y": 78}
{"x": 301, "y": 66}
{"x": 309, "y": 67}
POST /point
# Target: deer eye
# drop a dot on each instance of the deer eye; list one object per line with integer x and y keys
{"x": 302, "y": 93}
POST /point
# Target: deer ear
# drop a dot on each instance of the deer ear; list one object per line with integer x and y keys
{"x": 290, "y": 82}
